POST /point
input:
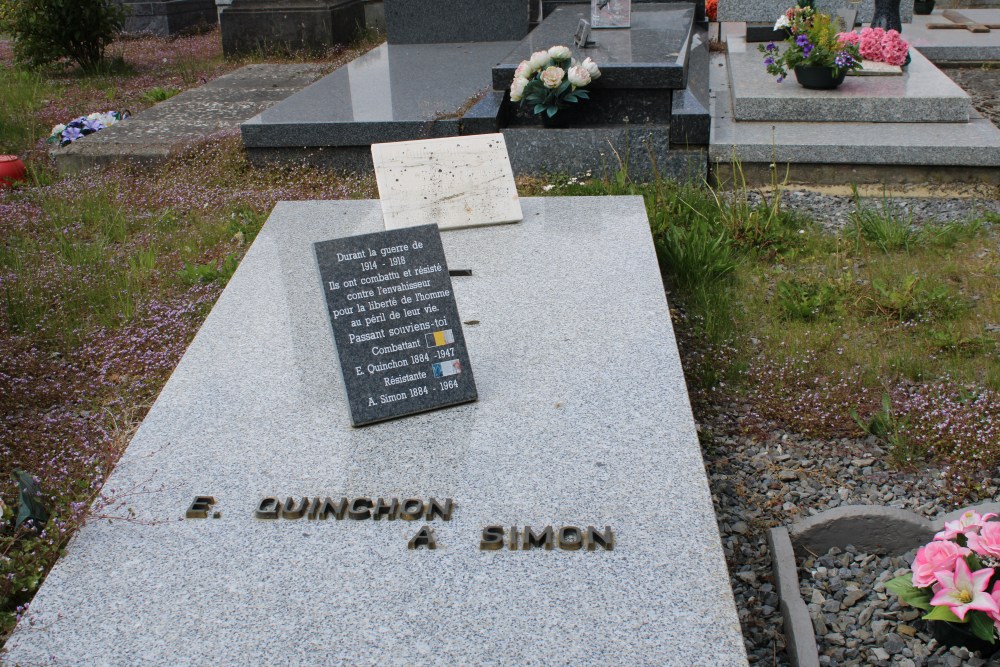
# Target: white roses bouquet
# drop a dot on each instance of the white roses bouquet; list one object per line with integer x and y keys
{"x": 552, "y": 79}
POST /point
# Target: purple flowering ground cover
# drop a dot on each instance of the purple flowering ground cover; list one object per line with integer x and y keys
{"x": 104, "y": 279}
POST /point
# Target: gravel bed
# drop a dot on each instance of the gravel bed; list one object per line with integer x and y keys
{"x": 763, "y": 480}
{"x": 833, "y": 212}
{"x": 858, "y": 622}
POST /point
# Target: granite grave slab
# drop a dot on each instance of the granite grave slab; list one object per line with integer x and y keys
{"x": 422, "y": 22}
{"x": 582, "y": 440}
{"x": 956, "y": 46}
{"x": 450, "y": 182}
{"x": 154, "y": 134}
{"x": 922, "y": 94}
{"x": 975, "y": 144}
{"x": 651, "y": 54}
{"x": 396, "y": 92}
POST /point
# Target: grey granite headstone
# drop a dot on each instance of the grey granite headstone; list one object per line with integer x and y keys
{"x": 435, "y": 21}
{"x": 394, "y": 318}
{"x": 768, "y": 11}
{"x": 168, "y": 17}
{"x": 252, "y": 26}
{"x": 583, "y": 420}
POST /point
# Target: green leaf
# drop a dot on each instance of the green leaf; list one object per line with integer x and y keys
{"x": 539, "y": 108}
{"x": 908, "y": 593}
{"x": 943, "y": 613}
{"x": 982, "y": 626}
{"x": 551, "y": 111}
{"x": 582, "y": 94}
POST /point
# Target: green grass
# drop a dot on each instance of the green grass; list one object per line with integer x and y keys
{"x": 24, "y": 92}
{"x": 158, "y": 94}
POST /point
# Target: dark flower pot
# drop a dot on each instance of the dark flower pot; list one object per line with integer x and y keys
{"x": 565, "y": 117}
{"x": 818, "y": 78}
{"x": 959, "y": 634}
{"x": 923, "y": 7}
{"x": 11, "y": 170}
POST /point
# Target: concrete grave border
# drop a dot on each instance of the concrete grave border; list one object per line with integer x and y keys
{"x": 866, "y": 527}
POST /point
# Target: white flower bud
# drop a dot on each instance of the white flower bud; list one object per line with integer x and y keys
{"x": 539, "y": 59}
{"x": 560, "y": 53}
{"x": 552, "y": 76}
{"x": 591, "y": 68}
{"x": 578, "y": 76}
{"x": 517, "y": 87}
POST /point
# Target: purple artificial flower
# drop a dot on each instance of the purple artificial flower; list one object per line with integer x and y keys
{"x": 71, "y": 134}
{"x": 93, "y": 125}
{"x": 769, "y": 60}
{"x": 802, "y": 40}
{"x": 843, "y": 59}
{"x": 806, "y": 50}
{"x": 772, "y": 46}
{"x": 780, "y": 79}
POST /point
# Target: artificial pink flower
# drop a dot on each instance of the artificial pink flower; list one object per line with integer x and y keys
{"x": 933, "y": 557}
{"x": 870, "y": 43}
{"x": 964, "y": 590}
{"x": 894, "y": 48}
{"x": 995, "y": 616}
{"x": 848, "y": 37}
{"x": 987, "y": 541}
{"x": 970, "y": 522}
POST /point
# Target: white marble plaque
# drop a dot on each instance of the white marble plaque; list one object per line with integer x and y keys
{"x": 454, "y": 182}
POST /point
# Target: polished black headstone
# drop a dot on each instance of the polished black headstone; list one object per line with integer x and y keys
{"x": 395, "y": 323}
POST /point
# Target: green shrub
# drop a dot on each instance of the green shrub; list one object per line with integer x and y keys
{"x": 47, "y": 31}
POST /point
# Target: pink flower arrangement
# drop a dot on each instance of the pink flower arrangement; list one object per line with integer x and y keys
{"x": 878, "y": 45}
{"x": 953, "y": 578}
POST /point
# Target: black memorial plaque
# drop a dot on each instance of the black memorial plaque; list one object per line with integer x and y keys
{"x": 395, "y": 323}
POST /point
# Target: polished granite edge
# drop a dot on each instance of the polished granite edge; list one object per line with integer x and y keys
{"x": 651, "y": 54}
{"x": 690, "y": 120}
{"x": 257, "y": 134}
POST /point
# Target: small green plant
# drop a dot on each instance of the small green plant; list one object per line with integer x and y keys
{"x": 209, "y": 273}
{"x": 884, "y": 226}
{"x": 912, "y": 298}
{"x": 807, "y": 300}
{"x": 695, "y": 255}
{"x": 949, "y": 234}
{"x": 886, "y": 425}
{"x": 47, "y": 31}
{"x": 158, "y": 94}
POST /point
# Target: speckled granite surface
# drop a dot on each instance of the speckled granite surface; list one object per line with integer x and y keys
{"x": 583, "y": 419}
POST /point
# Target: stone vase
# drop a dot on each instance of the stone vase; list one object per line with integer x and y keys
{"x": 886, "y": 15}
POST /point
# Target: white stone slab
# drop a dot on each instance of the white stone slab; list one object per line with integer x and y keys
{"x": 582, "y": 419}
{"x": 454, "y": 182}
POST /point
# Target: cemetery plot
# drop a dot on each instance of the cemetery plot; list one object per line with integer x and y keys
{"x": 564, "y": 517}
